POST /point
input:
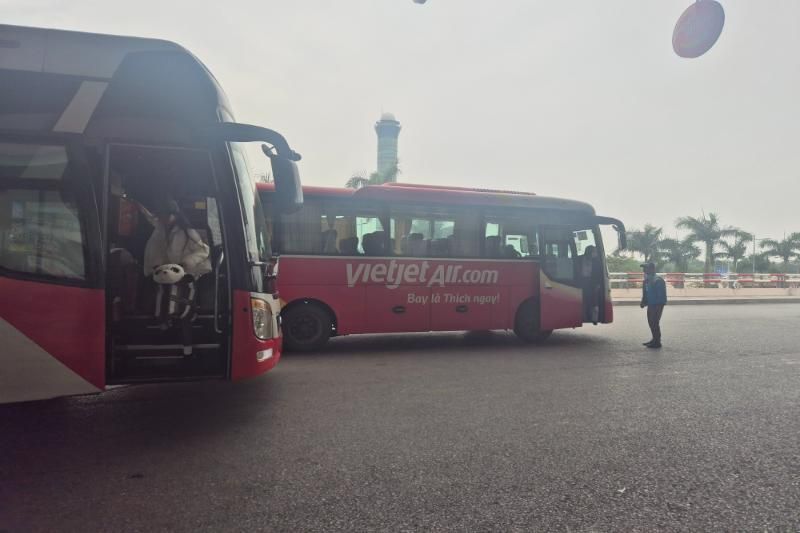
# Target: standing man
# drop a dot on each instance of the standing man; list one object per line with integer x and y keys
{"x": 654, "y": 297}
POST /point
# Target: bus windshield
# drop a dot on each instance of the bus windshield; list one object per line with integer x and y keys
{"x": 258, "y": 244}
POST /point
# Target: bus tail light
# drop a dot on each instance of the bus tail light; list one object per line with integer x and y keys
{"x": 262, "y": 318}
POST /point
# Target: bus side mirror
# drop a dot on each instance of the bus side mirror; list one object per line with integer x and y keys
{"x": 623, "y": 238}
{"x": 288, "y": 189}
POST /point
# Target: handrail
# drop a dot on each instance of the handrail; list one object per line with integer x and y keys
{"x": 710, "y": 279}
{"x": 216, "y": 290}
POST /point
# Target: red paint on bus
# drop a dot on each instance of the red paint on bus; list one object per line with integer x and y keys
{"x": 66, "y": 322}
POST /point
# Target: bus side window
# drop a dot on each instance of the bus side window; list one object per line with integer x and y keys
{"x": 300, "y": 231}
{"x": 427, "y": 236}
{"x": 510, "y": 239}
{"x": 41, "y": 221}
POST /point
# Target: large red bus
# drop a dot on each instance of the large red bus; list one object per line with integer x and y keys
{"x": 403, "y": 258}
{"x": 91, "y": 127}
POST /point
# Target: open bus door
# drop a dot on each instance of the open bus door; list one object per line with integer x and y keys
{"x": 570, "y": 295}
{"x": 233, "y": 325}
{"x": 561, "y": 299}
{"x": 606, "y": 304}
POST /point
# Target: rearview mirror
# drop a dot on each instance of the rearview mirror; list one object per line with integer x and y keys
{"x": 623, "y": 238}
{"x": 288, "y": 189}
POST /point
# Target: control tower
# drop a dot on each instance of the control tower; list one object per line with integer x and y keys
{"x": 388, "y": 130}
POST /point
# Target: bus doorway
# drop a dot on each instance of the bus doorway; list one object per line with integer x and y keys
{"x": 164, "y": 331}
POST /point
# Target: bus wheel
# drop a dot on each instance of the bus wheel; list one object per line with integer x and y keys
{"x": 306, "y": 327}
{"x": 526, "y": 323}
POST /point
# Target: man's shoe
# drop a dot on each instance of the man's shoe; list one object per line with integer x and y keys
{"x": 654, "y": 345}
{"x": 648, "y": 343}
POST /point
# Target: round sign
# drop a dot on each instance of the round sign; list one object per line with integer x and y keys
{"x": 698, "y": 28}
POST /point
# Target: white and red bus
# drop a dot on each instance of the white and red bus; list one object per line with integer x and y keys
{"x": 88, "y": 125}
{"x": 403, "y": 258}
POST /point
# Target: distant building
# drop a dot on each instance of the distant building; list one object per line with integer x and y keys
{"x": 388, "y": 130}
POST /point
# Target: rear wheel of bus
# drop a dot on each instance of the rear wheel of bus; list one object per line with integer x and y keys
{"x": 306, "y": 326}
{"x": 527, "y": 323}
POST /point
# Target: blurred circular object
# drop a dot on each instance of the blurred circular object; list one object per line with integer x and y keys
{"x": 698, "y": 28}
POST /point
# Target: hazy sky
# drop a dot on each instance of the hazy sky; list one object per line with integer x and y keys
{"x": 583, "y": 99}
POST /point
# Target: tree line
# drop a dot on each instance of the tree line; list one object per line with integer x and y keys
{"x": 707, "y": 237}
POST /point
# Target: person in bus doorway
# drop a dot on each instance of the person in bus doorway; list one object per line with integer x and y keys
{"x": 173, "y": 242}
{"x": 654, "y": 297}
{"x": 592, "y": 278}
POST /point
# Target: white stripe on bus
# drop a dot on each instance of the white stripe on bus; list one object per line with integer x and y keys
{"x": 80, "y": 110}
{"x": 30, "y": 373}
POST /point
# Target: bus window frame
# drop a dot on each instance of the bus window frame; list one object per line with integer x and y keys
{"x": 84, "y": 189}
{"x": 515, "y": 214}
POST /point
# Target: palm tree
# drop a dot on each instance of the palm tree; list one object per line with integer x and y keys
{"x": 357, "y": 181}
{"x": 705, "y": 230}
{"x": 738, "y": 250}
{"x": 646, "y": 242}
{"x": 376, "y": 178}
{"x": 679, "y": 252}
{"x": 787, "y": 249}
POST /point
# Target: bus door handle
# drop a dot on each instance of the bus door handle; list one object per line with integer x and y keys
{"x": 220, "y": 260}
{"x": 399, "y": 309}
{"x": 462, "y": 309}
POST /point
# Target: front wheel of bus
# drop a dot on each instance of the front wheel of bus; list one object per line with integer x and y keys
{"x": 306, "y": 327}
{"x": 527, "y": 325}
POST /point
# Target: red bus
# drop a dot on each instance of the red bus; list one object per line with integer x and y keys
{"x": 91, "y": 127}
{"x": 403, "y": 258}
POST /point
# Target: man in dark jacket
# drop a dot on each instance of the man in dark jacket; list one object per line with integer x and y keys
{"x": 654, "y": 297}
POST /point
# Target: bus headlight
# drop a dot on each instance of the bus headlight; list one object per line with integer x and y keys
{"x": 262, "y": 318}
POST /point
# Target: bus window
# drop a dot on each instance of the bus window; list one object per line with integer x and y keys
{"x": 41, "y": 233}
{"x": 584, "y": 239}
{"x": 416, "y": 236}
{"x": 329, "y": 229}
{"x": 510, "y": 239}
{"x": 371, "y": 236}
{"x": 256, "y": 235}
{"x": 299, "y": 232}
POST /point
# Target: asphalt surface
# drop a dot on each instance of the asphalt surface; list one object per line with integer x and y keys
{"x": 467, "y": 432}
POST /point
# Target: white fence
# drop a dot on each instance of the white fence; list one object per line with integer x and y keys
{"x": 628, "y": 280}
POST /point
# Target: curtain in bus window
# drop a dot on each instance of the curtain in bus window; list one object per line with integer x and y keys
{"x": 300, "y": 231}
{"x": 40, "y": 228}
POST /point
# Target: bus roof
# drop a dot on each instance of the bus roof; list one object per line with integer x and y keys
{"x": 67, "y": 82}
{"x": 73, "y": 53}
{"x": 444, "y": 195}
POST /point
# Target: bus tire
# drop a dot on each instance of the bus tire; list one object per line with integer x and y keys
{"x": 306, "y": 327}
{"x": 527, "y": 325}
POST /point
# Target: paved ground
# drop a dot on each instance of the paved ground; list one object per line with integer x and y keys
{"x": 440, "y": 432}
